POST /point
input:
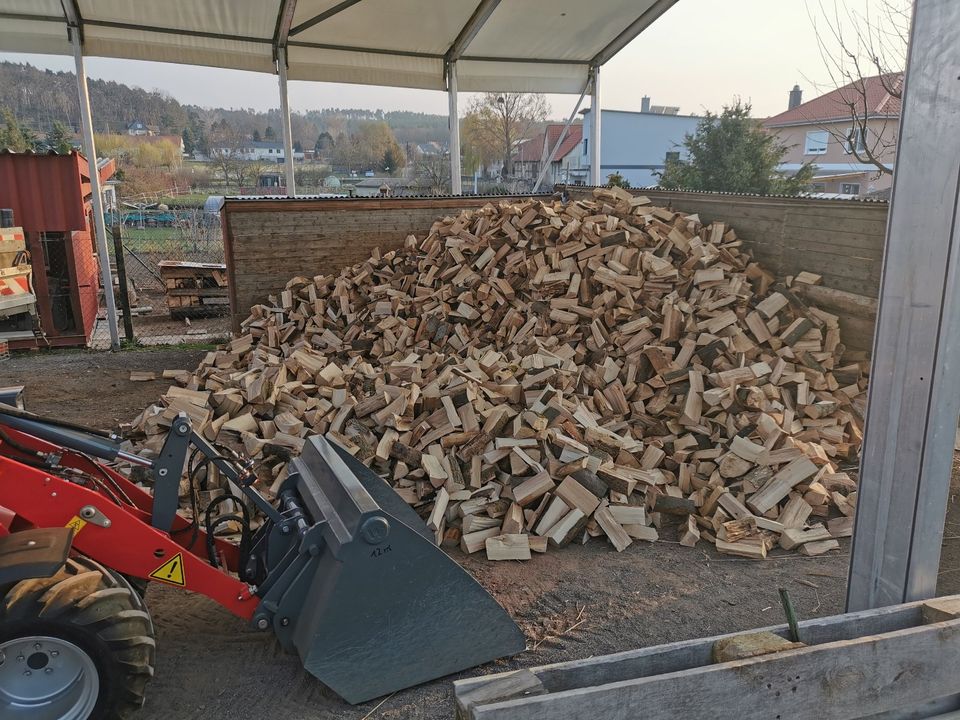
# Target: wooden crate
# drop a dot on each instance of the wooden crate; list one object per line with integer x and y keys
{"x": 893, "y": 663}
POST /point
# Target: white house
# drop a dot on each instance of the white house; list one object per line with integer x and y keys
{"x": 260, "y": 150}
{"x": 635, "y": 144}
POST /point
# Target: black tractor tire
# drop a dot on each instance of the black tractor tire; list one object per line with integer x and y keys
{"x": 100, "y": 613}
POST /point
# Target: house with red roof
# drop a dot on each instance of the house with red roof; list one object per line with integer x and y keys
{"x": 565, "y": 167}
{"x": 850, "y": 135}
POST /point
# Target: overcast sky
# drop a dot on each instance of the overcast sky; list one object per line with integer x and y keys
{"x": 700, "y": 55}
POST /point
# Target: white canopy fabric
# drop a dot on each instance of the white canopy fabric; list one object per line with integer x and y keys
{"x": 498, "y": 45}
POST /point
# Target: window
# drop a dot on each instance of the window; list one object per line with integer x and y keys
{"x": 672, "y": 157}
{"x": 855, "y": 134}
{"x": 816, "y": 143}
{"x": 849, "y": 188}
{"x": 818, "y": 187}
{"x": 585, "y": 147}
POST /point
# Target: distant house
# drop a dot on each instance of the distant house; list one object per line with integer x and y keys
{"x": 567, "y": 163}
{"x": 637, "y": 145}
{"x": 138, "y": 127}
{"x": 431, "y": 148}
{"x": 258, "y": 150}
{"x": 528, "y": 157}
{"x": 822, "y": 131}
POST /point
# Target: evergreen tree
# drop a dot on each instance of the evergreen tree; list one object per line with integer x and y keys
{"x": 391, "y": 159}
{"x": 269, "y": 133}
{"x": 256, "y": 136}
{"x": 189, "y": 144}
{"x": 12, "y": 135}
{"x": 733, "y": 152}
{"x": 59, "y": 138}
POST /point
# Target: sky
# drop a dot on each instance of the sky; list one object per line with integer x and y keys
{"x": 700, "y": 55}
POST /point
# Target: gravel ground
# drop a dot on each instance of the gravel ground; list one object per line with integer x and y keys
{"x": 582, "y": 601}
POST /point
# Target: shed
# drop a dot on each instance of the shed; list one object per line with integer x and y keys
{"x": 51, "y": 201}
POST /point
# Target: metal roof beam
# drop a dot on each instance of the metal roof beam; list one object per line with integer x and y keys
{"x": 29, "y": 16}
{"x": 433, "y": 56}
{"x": 632, "y": 30}
{"x": 469, "y": 31}
{"x": 71, "y": 11}
{"x": 284, "y": 21}
{"x": 317, "y": 19}
{"x": 177, "y": 31}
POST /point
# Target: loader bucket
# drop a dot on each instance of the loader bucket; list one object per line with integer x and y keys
{"x": 370, "y": 603}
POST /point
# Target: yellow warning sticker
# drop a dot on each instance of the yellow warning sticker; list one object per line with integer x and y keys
{"x": 77, "y": 523}
{"x": 171, "y": 571}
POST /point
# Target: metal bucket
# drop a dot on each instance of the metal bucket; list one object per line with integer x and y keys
{"x": 361, "y": 591}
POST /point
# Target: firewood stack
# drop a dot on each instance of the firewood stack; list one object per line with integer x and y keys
{"x": 537, "y": 373}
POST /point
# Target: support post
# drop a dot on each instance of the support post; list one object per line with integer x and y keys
{"x": 99, "y": 225}
{"x": 456, "y": 186}
{"x": 124, "y": 291}
{"x": 285, "y": 123}
{"x": 914, "y": 395}
{"x": 596, "y": 172}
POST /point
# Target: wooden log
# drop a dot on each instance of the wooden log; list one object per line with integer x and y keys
{"x": 508, "y": 547}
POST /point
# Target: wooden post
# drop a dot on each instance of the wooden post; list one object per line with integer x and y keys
{"x": 914, "y": 396}
{"x": 115, "y": 231}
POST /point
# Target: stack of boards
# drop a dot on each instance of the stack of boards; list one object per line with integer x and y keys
{"x": 536, "y": 373}
{"x": 194, "y": 289}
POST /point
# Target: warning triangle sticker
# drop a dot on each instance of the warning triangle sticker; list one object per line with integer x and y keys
{"x": 171, "y": 571}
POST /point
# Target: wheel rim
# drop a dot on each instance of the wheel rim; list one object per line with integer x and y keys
{"x": 46, "y": 678}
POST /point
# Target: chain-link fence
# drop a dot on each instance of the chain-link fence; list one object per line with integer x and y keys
{"x": 170, "y": 280}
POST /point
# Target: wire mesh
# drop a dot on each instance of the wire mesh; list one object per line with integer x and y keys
{"x": 174, "y": 277}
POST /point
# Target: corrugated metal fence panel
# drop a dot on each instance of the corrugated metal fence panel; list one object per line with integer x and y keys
{"x": 45, "y": 191}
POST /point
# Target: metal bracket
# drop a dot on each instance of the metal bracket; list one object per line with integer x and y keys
{"x": 92, "y": 515}
{"x": 166, "y": 473}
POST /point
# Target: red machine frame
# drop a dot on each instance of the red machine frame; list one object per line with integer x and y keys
{"x": 127, "y": 543}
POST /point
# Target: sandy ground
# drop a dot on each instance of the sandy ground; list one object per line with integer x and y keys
{"x": 212, "y": 665}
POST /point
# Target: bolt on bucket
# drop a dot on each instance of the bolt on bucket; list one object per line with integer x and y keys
{"x": 361, "y": 591}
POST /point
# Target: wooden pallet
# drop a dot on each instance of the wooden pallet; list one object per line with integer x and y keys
{"x": 194, "y": 289}
{"x": 892, "y": 663}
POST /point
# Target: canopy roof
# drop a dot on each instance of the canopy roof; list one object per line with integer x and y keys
{"x": 499, "y": 45}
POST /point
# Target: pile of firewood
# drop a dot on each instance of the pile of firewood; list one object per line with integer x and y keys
{"x": 538, "y": 373}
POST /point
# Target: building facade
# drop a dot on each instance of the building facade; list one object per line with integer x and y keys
{"x": 635, "y": 144}
{"x": 840, "y": 132}
{"x": 565, "y": 166}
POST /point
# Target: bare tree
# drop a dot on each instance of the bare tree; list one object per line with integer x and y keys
{"x": 499, "y": 120}
{"x": 227, "y": 153}
{"x": 873, "y": 51}
{"x": 433, "y": 172}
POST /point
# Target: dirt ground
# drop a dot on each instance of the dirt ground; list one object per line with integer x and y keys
{"x": 582, "y": 601}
